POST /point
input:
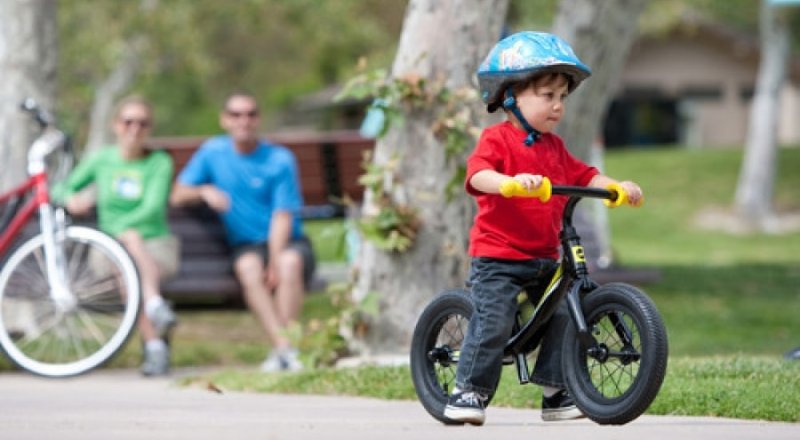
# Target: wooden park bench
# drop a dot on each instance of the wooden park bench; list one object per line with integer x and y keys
{"x": 329, "y": 164}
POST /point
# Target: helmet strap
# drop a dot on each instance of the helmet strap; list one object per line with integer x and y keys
{"x": 510, "y": 103}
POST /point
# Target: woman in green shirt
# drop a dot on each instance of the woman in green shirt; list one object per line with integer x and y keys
{"x": 132, "y": 187}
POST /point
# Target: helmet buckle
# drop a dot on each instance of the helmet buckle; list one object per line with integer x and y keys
{"x": 509, "y": 102}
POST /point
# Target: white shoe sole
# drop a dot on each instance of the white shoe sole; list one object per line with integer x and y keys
{"x": 466, "y": 415}
{"x": 561, "y": 414}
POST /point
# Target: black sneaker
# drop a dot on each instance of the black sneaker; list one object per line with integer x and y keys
{"x": 467, "y": 407}
{"x": 560, "y": 406}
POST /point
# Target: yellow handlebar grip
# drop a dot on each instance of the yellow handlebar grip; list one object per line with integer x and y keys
{"x": 622, "y": 196}
{"x": 512, "y": 188}
{"x": 509, "y": 187}
{"x": 545, "y": 190}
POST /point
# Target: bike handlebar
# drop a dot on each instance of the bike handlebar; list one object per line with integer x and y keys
{"x": 614, "y": 195}
{"x": 49, "y": 141}
{"x": 40, "y": 115}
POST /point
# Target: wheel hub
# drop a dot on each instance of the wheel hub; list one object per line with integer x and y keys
{"x": 444, "y": 356}
{"x": 598, "y": 352}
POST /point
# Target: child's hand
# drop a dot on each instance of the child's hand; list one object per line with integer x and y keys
{"x": 529, "y": 181}
{"x": 634, "y": 193}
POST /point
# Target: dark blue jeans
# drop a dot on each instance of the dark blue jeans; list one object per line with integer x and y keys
{"x": 495, "y": 286}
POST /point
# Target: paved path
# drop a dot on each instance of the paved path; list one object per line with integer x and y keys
{"x": 122, "y": 405}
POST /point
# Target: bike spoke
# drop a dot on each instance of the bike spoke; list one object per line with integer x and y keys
{"x": 93, "y": 322}
{"x": 615, "y": 374}
{"x": 76, "y": 260}
{"x": 77, "y": 339}
{"x": 451, "y": 335}
{"x": 100, "y": 292}
{"x": 453, "y": 330}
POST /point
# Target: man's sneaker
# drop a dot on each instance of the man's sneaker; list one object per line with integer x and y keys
{"x": 560, "y": 406}
{"x": 290, "y": 360}
{"x": 271, "y": 364}
{"x": 792, "y": 355}
{"x": 467, "y": 407}
{"x": 156, "y": 362}
{"x": 163, "y": 319}
{"x": 281, "y": 360}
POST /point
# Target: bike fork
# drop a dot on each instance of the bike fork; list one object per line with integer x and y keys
{"x": 576, "y": 312}
{"x": 53, "y": 230}
{"x": 522, "y": 368}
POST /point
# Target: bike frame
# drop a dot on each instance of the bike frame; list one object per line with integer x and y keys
{"x": 37, "y": 185}
{"x": 571, "y": 281}
{"x": 51, "y": 225}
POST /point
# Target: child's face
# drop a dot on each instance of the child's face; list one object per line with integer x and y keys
{"x": 542, "y": 102}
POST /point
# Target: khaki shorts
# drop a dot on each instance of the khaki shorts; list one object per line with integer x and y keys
{"x": 165, "y": 251}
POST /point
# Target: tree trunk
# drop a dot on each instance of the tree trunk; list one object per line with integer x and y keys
{"x": 119, "y": 81}
{"x": 601, "y": 33}
{"x": 28, "y": 57}
{"x": 754, "y": 190}
{"x": 440, "y": 40}
{"x": 109, "y": 91}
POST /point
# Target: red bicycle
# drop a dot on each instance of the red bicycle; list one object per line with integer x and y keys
{"x": 69, "y": 295}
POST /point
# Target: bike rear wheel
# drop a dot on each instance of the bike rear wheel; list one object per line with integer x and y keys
{"x": 435, "y": 349}
{"x": 617, "y": 382}
{"x": 55, "y": 339}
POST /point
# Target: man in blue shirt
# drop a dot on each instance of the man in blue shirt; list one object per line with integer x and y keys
{"x": 254, "y": 186}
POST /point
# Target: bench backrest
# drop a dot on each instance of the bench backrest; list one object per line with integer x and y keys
{"x": 329, "y": 162}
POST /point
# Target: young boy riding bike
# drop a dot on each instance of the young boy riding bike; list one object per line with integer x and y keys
{"x": 514, "y": 241}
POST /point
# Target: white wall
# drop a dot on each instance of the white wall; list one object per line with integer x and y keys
{"x": 678, "y": 64}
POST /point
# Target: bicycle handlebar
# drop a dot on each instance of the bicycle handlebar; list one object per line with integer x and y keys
{"x": 50, "y": 140}
{"x": 40, "y": 115}
{"x": 614, "y": 195}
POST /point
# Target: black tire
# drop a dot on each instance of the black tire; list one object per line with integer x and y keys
{"x": 435, "y": 346}
{"x": 617, "y": 389}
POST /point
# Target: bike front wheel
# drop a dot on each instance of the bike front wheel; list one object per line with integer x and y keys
{"x": 58, "y": 338}
{"x": 435, "y": 349}
{"x": 617, "y": 380}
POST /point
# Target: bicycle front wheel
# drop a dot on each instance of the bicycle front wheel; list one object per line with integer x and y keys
{"x": 615, "y": 381}
{"x": 435, "y": 349}
{"x": 66, "y": 338}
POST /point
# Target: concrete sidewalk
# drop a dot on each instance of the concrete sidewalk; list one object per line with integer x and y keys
{"x": 110, "y": 404}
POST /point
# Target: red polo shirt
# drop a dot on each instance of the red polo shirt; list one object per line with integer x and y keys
{"x": 520, "y": 228}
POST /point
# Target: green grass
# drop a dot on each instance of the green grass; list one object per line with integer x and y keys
{"x": 678, "y": 186}
{"x": 328, "y": 238}
{"x": 745, "y": 387}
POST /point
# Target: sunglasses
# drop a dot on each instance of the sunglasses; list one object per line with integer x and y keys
{"x": 250, "y": 114}
{"x": 143, "y": 123}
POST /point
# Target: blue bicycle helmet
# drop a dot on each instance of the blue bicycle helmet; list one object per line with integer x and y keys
{"x": 518, "y": 57}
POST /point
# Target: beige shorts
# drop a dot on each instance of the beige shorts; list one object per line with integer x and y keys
{"x": 166, "y": 251}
